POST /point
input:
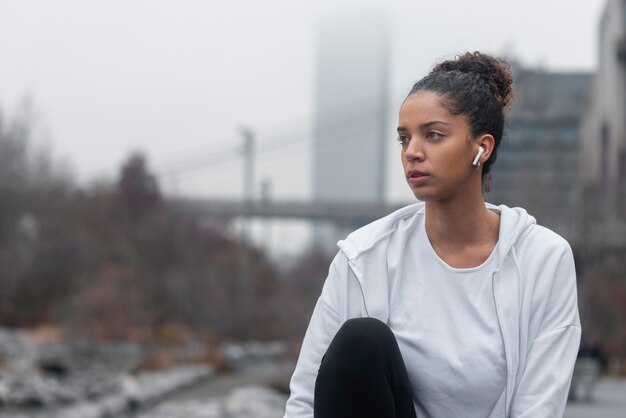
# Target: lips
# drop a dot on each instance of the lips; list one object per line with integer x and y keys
{"x": 417, "y": 176}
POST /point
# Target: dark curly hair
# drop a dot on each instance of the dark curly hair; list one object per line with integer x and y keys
{"x": 478, "y": 86}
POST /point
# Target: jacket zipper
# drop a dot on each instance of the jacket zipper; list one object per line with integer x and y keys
{"x": 504, "y": 340}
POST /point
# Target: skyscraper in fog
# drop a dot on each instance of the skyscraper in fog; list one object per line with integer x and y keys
{"x": 350, "y": 112}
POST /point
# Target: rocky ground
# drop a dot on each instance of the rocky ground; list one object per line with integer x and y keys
{"x": 64, "y": 379}
{"x": 241, "y": 402}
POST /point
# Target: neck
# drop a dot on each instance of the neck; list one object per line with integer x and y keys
{"x": 461, "y": 221}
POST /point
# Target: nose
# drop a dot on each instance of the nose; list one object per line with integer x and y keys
{"x": 413, "y": 151}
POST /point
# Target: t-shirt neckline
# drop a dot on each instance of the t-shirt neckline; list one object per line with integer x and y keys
{"x": 432, "y": 251}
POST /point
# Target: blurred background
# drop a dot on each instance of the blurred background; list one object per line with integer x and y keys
{"x": 174, "y": 177}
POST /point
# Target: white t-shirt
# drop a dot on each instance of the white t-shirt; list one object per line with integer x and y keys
{"x": 445, "y": 321}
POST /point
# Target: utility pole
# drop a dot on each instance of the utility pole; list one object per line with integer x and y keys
{"x": 266, "y": 196}
{"x": 243, "y": 288}
{"x": 173, "y": 177}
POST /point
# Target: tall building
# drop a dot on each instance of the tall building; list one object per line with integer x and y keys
{"x": 537, "y": 164}
{"x": 350, "y": 112}
{"x": 603, "y": 147}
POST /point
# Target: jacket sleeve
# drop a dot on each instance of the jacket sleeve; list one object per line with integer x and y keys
{"x": 543, "y": 387}
{"x": 323, "y": 326}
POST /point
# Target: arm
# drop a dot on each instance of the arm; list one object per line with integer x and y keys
{"x": 543, "y": 387}
{"x": 323, "y": 326}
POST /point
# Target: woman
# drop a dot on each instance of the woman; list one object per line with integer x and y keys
{"x": 450, "y": 307}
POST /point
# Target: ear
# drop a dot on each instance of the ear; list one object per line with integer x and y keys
{"x": 488, "y": 143}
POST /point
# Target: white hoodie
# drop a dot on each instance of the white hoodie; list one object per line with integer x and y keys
{"x": 534, "y": 290}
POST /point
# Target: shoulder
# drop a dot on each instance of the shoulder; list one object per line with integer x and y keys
{"x": 539, "y": 254}
{"x": 539, "y": 240}
{"x": 520, "y": 231}
{"x": 546, "y": 262}
{"x": 377, "y": 231}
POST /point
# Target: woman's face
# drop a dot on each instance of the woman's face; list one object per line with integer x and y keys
{"x": 437, "y": 148}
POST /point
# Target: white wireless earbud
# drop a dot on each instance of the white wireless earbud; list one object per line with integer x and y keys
{"x": 480, "y": 152}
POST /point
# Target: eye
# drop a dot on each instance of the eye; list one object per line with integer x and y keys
{"x": 434, "y": 136}
{"x": 402, "y": 139}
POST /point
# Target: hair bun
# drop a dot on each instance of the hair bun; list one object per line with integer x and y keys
{"x": 496, "y": 72}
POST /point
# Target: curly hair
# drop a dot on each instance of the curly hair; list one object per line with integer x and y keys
{"x": 478, "y": 86}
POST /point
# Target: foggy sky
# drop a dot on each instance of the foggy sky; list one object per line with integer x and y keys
{"x": 177, "y": 78}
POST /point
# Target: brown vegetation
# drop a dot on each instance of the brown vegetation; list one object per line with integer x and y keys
{"x": 112, "y": 261}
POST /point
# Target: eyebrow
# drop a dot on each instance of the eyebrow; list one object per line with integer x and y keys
{"x": 425, "y": 125}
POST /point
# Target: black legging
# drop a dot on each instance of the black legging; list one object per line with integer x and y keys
{"x": 362, "y": 374}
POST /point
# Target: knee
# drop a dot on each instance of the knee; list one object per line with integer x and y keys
{"x": 365, "y": 328}
{"x": 367, "y": 335}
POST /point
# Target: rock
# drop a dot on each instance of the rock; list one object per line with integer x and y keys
{"x": 243, "y": 402}
{"x": 188, "y": 409}
{"x": 254, "y": 402}
{"x": 153, "y": 385}
{"x": 244, "y": 355}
